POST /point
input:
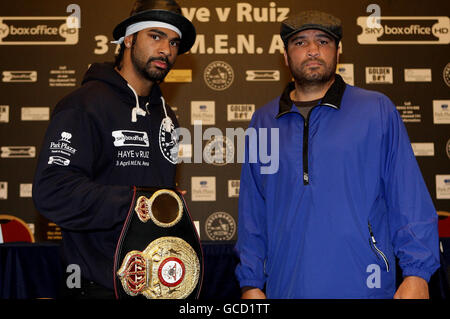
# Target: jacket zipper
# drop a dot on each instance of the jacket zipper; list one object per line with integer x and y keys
{"x": 306, "y": 140}
{"x": 379, "y": 252}
{"x": 306, "y": 146}
{"x": 305, "y": 151}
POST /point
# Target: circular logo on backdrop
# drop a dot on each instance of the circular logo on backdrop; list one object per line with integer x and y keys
{"x": 168, "y": 140}
{"x": 447, "y": 148}
{"x": 219, "y": 151}
{"x": 446, "y": 74}
{"x": 219, "y": 75}
{"x": 220, "y": 226}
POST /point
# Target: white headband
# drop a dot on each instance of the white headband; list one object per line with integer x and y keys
{"x": 136, "y": 27}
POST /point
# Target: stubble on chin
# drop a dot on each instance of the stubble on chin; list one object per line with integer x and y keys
{"x": 145, "y": 68}
{"x": 314, "y": 76}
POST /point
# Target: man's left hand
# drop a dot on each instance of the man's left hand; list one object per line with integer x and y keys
{"x": 412, "y": 287}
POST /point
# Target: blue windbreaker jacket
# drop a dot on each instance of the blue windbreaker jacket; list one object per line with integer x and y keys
{"x": 346, "y": 200}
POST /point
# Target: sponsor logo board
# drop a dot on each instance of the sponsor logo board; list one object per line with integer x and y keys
{"x": 37, "y": 31}
{"x": 405, "y": 30}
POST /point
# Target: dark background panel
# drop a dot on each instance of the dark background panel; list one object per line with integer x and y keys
{"x": 98, "y": 18}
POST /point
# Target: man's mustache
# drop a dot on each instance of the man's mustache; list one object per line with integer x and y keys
{"x": 313, "y": 60}
{"x": 163, "y": 59}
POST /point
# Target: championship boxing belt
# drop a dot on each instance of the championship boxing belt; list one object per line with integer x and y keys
{"x": 158, "y": 255}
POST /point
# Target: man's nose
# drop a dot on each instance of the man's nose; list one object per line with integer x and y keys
{"x": 164, "y": 48}
{"x": 313, "y": 50}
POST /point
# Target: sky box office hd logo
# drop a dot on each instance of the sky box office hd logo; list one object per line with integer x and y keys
{"x": 404, "y": 30}
{"x": 37, "y": 31}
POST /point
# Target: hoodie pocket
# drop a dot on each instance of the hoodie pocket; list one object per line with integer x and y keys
{"x": 378, "y": 252}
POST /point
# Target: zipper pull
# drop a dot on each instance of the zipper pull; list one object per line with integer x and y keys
{"x": 371, "y": 234}
{"x": 146, "y": 107}
{"x": 374, "y": 242}
{"x": 305, "y": 177}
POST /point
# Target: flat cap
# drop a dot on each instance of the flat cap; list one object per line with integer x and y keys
{"x": 311, "y": 19}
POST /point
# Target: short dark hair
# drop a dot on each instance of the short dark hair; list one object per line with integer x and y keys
{"x": 119, "y": 56}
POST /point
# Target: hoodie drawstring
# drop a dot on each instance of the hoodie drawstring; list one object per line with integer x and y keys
{"x": 167, "y": 120}
{"x": 138, "y": 111}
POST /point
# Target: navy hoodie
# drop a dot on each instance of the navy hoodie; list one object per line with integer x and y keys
{"x": 101, "y": 141}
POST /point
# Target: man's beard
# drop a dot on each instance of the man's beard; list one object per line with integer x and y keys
{"x": 144, "y": 68}
{"x": 303, "y": 76}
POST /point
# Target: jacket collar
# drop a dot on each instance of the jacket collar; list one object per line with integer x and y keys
{"x": 332, "y": 98}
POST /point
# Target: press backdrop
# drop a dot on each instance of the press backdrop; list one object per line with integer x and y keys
{"x": 235, "y": 67}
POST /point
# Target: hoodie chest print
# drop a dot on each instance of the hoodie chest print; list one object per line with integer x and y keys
{"x": 132, "y": 148}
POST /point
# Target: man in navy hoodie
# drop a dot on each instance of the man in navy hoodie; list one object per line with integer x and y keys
{"x": 113, "y": 133}
{"x": 348, "y": 197}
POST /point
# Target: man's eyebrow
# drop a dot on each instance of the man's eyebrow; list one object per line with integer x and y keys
{"x": 324, "y": 35}
{"x": 163, "y": 34}
{"x": 297, "y": 37}
{"x": 320, "y": 35}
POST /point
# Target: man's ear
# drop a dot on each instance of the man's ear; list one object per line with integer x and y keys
{"x": 285, "y": 57}
{"x": 128, "y": 41}
{"x": 337, "y": 52}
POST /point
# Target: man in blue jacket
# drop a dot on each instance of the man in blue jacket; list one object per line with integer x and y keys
{"x": 348, "y": 197}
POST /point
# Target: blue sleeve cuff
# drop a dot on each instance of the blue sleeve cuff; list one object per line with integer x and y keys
{"x": 252, "y": 283}
{"x": 418, "y": 273}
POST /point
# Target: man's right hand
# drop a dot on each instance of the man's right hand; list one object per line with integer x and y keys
{"x": 253, "y": 293}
